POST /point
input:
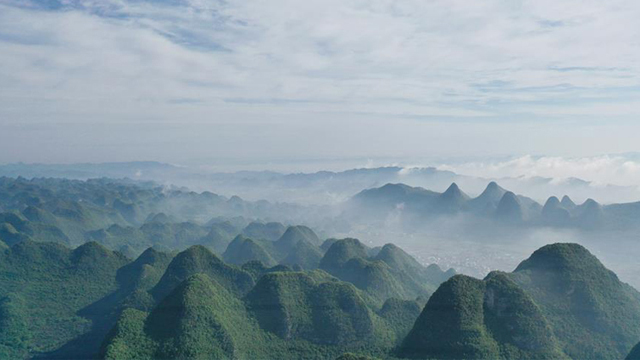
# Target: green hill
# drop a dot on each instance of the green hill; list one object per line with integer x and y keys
{"x": 270, "y": 231}
{"x": 295, "y": 234}
{"x": 199, "y": 319}
{"x": 15, "y": 336}
{"x": 242, "y": 250}
{"x": 316, "y": 308}
{"x": 342, "y": 251}
{"x": 400, "y": 315}
{"x": 467, "y": 318}
{"x": 218, "y": 237}
{"x": 44, "y": 287}
{"x": 593, "y": 314}
{"x": 198, "y": 259}
{"x": 561, "y": 300}
{"x": 14, "y": 227}
{"x": 145, "y": 271}
{"x": 391, "y": 273}
{"x": 305, "y": 255}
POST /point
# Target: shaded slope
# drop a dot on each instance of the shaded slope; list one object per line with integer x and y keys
{"x": 593, "y": 314}
{"x": 509, "y": 209}
{"x": 634, "y": 354}
{"x": 467, "y": 318}
{"x": 270, "y": 231}
{"x": 199, "y": 319}
{"x": 391, "y": 273}
{"x": 197, "y": 259}
{"x": 242, "y": 250}
{"x": 295, "y": 305}
{"x": 305, "y": 255}
{"x": 488, "y": 200}
{"x": 46, "y": 285}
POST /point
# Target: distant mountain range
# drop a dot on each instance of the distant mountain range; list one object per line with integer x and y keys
{"x": 494, "y": 204}
{"x": 319, "y": 188}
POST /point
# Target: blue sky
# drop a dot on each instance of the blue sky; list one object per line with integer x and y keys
{"x": 196, "y": 80}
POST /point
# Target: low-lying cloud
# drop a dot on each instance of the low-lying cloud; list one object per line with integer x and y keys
{"x": 608, "y": 178}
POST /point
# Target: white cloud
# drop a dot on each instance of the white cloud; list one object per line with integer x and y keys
{"x": 284, "y": 62}
{"x": 621, "y": 170}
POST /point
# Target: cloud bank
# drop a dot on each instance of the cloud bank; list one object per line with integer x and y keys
{"x": 524, "y": 76}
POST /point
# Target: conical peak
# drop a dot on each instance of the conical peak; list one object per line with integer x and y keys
{"x": 509, "y": 207}
{"x": 567, "y": 202}
{"x": 492, "y": 186}
{"x": 509, "y": 196}
{"x": 560, "y": 257}
{"x": 453, "y": 192}
{"x": 492, "y": 191}
{"x": 590, "y": 203}
{"x": 552, "y": 201}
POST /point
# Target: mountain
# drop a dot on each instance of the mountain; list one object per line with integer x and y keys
{"x": 219, "y": 237}
{"x": 43, "y": 289}
{"x": 509, "y": 209}
{"x": 590, "y": 213}
{"x": 327, "y": 244}
{"x": 560, "y": 302}
{"x": 391, "y": 273}
{"x": 379, "y": 201}
{"x": 134, "y": 280}
{"x": 15, "y": 336}
{"x": 305, "y": 255}
{"x": 340, "y": 252}
{"x": 294, "y": 234}
{"x": 200, "y": 318}
{"x": 145, "y": 271}
{"x": 452, "y": 200}
{"x": 488, "y": 200}
{"x": 468, "y": 318}
{"x": 71, "y": 212}
{"x": 91, "y": 302}
{"x": 414, "y": 208}
{"x": 400, "y": 315}
{"x": 167, "y": 235}
{"x": 256, "y": 269}
{"x": 421, "y": 280}
{"x": 15, "y": 227}
{"x": 316, "y": 308}
{"x": 554, "y": 213}
{"x": 242, "y": 250}
{"x": 270, "y": 231}
{"x": 198, "y": 259}
{"x": 593, "y": 314}
{"x": 567, "y": 203}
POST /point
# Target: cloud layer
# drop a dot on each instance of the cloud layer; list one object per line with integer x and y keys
{"x": 493, "y": 70}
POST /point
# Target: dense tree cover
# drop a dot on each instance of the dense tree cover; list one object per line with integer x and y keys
{"x": 44, "y": 286}
{"x": 635, "y": 353}
{"x": 72, "y": 212}
{"x": 593, "y": 314}
{"x": 221, "y": 286}
{"x": 57, "y": 302}
{"x": 467, "y": 318}
{"x": 561, "y": 302}
{"x": 390, "y": 273}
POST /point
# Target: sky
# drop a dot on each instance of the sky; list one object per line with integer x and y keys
{"x": 244, "y": 81}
